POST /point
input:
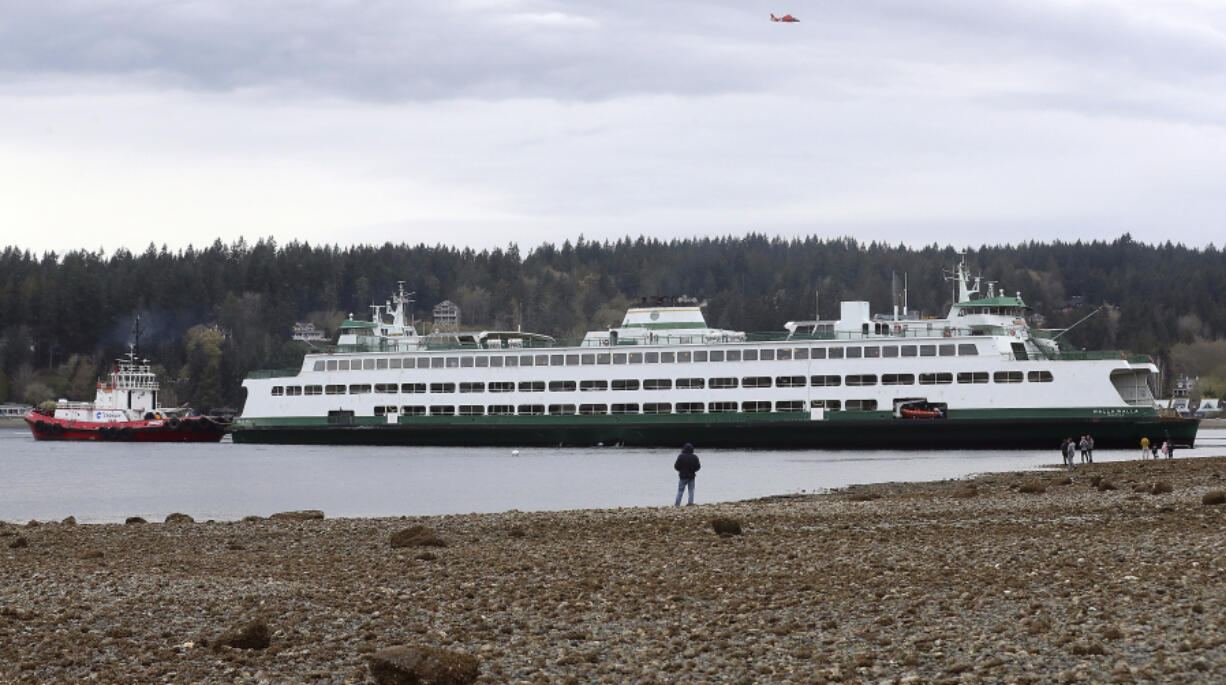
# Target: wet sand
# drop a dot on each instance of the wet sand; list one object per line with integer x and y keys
{"x": 1017, "y": 577}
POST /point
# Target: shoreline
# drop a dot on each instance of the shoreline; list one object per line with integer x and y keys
{"x": 1027, "y": 576}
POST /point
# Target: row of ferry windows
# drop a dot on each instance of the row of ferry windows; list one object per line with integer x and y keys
{"x": 627, "y": 408}
{"x": 821, "y": 381}
{"x": 681, "y": 357}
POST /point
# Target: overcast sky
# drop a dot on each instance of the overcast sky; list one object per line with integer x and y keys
{"x": 481, "y": 123}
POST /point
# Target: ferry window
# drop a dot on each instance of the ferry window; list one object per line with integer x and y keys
{"x": 394, "y": 363}
{"x": 790, "y": 405}
{"x": 532, "y": 386}
{"x": 652, "y": 357}
{"x": 897, "y": 379}
{"x": 561, "y": 386}
{"x": 587, "y": 386}
{"x": 723, "y": 383}
{"x": 436, "y": 363}
{"x": 472, "y": 410}
{"x": 668, "y": 357}
{"x": 658, "y": 384}
{"x": 910, "y": 351}
{"x": 800, "y": 353}
{"x": 628, "y": 408}
{"x": 501, "y": 410}
{"x": 442, "y": 410}
{"x": 472, "y": 387}
{"x": 825, "y": 404}
{"x": 467, "y": 362}
{"x": 819, "y": 353}
{"x": 442, "y": 387}
{"x": 767, "y": 355}
{"x": 889, "y": 351}
{"x": 755, "y": 407}
{"x": 343, "y": 365}
{"x": 587, "y": 359}
{"x": 602, "y": 357}
{"x": 755, "y": 382}
{"x": 592, "y": 409}
{"x": 784, "y": 354}
{"x": 626, "y": 384}
{"x": 409, "y": 362}
{"x": 555, "y": 360}
{"x": 525, "y": 360}
{"x": 722, "y": 408}
{"x": 483, "y": 362}
{"x": 387, "y": 388}
{"x": 734, "y": 355}
{"x": 314, "y": 389}
{"x": 1039, "y": 377}
{"x": 968, "y": 349}
{"x": 572, "y": 360}
{"x": 936, "y": 378}
{"x": 531, "y": 409}
{"x": 861, "y": 380}
{"x": 619, "y": 358}
{"x": 413, "y": 410}
{"x": 854, "y": 352}
{"x": 835, "y": 352}
{"x": 380, "y": 411}
{"x": 542, "y": 360}
{"x": 341, "y": 416}
{"x": 825, "y": 381}
{"x": 789, "y": 381}
{"x": 277, "y": 391}
{"x": 683, "y": 357}
{"x": 498, "y": 361}
{"x": 359, "y": 389}
{"x": 872, "y": 352}
{"x": 319, "y": 365}
{"x": 861, "y": 405}
{"x": 1007, "y": 377}
{"x": 928, "y": 350}
{"x": 368, "y": 364}
{"x": 947, "y": 349}
{"x": 717, "y": 355}
{"x": 690, "y": 408}
{"x": 502, "y": 386}
{"x": 973, "y": 377}
{"x": 750, "y": 355}
{"x": 700, "y": 355}
{"x": 691, "y": 383}
{"x": 411, "y": 388}
{"x": 657, "y": 408}
{"x": 332, "y": 365}
{"x": 453, "y": 362}
{"x": 561, "y": 409}
{"x": 636, "y": 357}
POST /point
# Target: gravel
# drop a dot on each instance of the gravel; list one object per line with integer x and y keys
{"x": 957, "y": 581}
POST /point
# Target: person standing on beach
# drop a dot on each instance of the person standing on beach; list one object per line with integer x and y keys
{"x": 687, "y": 466}
{"x": 1090, "y": 451}
{"x": 1144, "y": 448}
{"x": 1084, "y": 446}
{"x": 1066, "y": 452}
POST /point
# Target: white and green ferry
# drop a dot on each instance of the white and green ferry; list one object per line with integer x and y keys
{"x": 981, "y": 377}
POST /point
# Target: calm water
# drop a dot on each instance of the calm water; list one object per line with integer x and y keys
{"x": 104, "y": 482}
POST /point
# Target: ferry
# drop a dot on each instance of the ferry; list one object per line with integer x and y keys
{"x": 980, "y": 378}
{"x": 125, "y": 409}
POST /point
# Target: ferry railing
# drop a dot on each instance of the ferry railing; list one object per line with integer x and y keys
{"x": 272, "y": 373}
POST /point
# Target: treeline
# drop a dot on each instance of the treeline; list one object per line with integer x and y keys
{"x": 210, "y": 315}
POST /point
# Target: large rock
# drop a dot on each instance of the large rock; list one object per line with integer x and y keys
{"x": 422, "y": 666}
{"x": 726, "y": 527}
{"x": 417, "y": 536}
{"x": 179, "y": 518}
{"x": 303, "y": 515}
{"x": 254, "y": 635}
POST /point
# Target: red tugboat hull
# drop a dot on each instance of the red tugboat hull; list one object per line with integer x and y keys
{"x": 190, "y": 429}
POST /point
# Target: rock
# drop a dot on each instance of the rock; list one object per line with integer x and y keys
{"x": 91, "y": 554}
{"x": 417, "y": 536}
{"x": 132, "y": 520}
{"x": 420, "y": 665}
{"x": 1161, "y": 488}
{"x": 19, "y": 542}
{"x": 302, "y": 515}
{"x": 252, "y": 518}
{"x": 254, "y": 635}
{"x": 1214, "y": 497}
{"x": 965, "y": 493}
{"x": 1105, "y": 485}
{"x": 726, "y": 527}
{"x": 179, "y": 518}
{"x": 32, "y": 524}
{"x": 70, "y": 521}
{"x": 1033, "y": 487}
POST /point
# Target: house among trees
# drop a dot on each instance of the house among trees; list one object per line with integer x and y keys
{"x": 446, "y": 316}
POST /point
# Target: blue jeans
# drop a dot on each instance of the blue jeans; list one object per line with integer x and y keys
{"x": 681, "y": 486}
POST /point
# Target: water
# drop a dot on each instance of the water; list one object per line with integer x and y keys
{"x": 108, "y": 482}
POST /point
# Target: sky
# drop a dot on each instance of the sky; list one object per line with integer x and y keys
{"x": 483, "y": 123}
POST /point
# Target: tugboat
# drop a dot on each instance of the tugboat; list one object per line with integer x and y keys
{"x": 124, "y": 409}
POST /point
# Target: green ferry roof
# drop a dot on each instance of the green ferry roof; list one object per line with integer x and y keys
{"x": 357, "y": 324}
{"x": 994, "y": 302}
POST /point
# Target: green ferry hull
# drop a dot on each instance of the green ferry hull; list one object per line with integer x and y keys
{"x": 866, "y": 430}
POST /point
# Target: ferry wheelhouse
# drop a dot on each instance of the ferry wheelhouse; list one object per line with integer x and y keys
{"x": 981, "y": 377}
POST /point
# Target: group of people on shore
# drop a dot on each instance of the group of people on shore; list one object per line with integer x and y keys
{"x": 1154, "y": 451}
{"x": 1070, "y": 446}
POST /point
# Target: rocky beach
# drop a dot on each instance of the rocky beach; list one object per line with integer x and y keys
{"x": 1110, "y": 573}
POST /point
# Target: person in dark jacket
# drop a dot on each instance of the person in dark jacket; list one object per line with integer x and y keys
{"x": 687, "y": 466}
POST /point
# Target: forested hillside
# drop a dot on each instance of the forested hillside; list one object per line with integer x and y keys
{"x": 210, "y": 315}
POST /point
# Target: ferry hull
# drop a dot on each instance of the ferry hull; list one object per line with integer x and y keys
{"x": 919, "y": 434}
{"x": 197, "y": 429}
